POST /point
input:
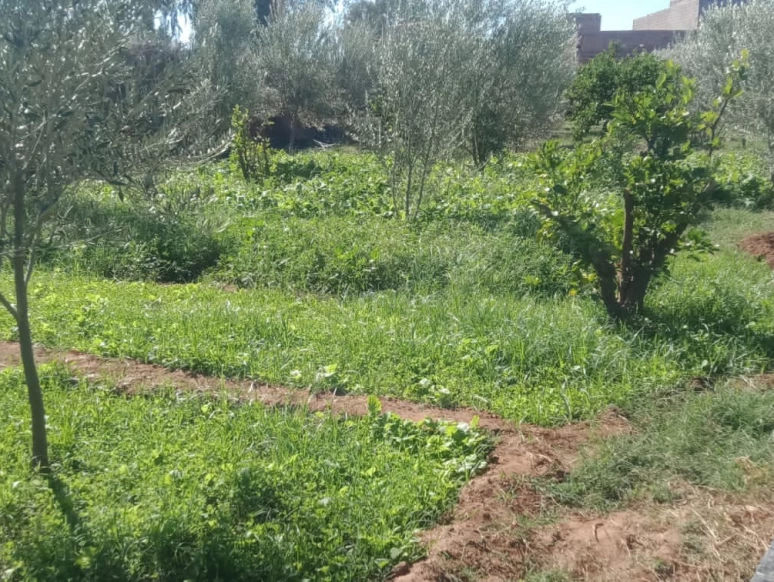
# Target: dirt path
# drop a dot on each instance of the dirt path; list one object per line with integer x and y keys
{"x": 503, "y": 529}
{"x": 761, "y": 246}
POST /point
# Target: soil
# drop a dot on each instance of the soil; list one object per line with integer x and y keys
{"x": 760, "y": 246}
{"x": 503, "y": 528}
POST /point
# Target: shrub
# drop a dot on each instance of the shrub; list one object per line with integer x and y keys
{"x": 660, "y": 187}
{"x": 249, "y": 150}
{"x": 138, "y": 241}
{"x": 336, "y": 256}
{"x": 591, "y": 95}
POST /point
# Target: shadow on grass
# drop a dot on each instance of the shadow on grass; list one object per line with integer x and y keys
{"x": 61, "y": 493}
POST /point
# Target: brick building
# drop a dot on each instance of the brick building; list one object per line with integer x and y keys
{"x": 681, "y": 15}
{"x": 592, "y": 40}
{"x": 650, "y": 33}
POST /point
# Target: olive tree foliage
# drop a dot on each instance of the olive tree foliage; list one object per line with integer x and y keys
{"x": 71, "y": 109}
{"x": 295, "y": 54}
{"x": 223, "y": 40}
{"x": 224, "y": 43}
{"x": 354, "y": 62}
{"x": 419, "y": 108}
{"x": 517, "y": 88}
{"x": 452, "y": 75}
{"x": 724, "y": 32}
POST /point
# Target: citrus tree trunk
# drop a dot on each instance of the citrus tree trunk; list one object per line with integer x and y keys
{"x": 34, "y": 391}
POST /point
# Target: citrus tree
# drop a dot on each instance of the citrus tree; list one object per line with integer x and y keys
{"x": 629, "y": 201}
{"x": 590, "y": 97}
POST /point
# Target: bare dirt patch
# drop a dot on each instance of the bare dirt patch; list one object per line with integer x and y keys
{"x": 761, "y": 246}
{"x": 131, "y": 377}
{"x": 503, "y": 528}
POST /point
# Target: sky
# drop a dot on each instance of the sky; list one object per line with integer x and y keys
{"x": 619, "y": 14}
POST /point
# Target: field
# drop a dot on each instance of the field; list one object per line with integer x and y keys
{"x": 305, "y": 284}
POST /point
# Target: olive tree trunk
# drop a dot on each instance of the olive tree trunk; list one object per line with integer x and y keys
{"x": 21, "y": 314}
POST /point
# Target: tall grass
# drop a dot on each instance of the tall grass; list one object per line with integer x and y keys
{"x": 720, "y": 439}
{"x": 464, "y": 307}
{"x": 545, "y": 360}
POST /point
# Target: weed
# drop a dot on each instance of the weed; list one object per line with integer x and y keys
{"x": 719, "y": 439}
{"x": 170, "y": 486}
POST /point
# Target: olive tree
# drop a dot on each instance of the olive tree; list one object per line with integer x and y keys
{"x": 224, "y": 42}
{"x": 70, "y": 110}
{"x": 517, "y": 87}
{"x": 295, "y": 55}
{"x": 450, "y": 75}
{"x": 724, "y": 32}
{"x": 419, "y": 109}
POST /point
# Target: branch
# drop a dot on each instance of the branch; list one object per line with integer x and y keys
{"x": 7, "y": 304}
{"x": 628, "y": 240}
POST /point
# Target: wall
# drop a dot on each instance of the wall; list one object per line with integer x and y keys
{"x": 587, "y": 23}
{"x": 629, "y": 41}
{"x": 681, "y": 15}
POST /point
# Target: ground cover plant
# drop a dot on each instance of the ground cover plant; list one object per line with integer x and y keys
{"x": 171, "y": 485}
{"x": 526, "y": 355}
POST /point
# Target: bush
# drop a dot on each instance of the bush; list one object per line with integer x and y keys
{"x": 329, "y": 255}
{"x": 590, "y": 97}
{"x": 742, "y": 181}
{"x": 169, "y": 241}
{"x": 338, "y": 256}
{"x": 660, "y": 186}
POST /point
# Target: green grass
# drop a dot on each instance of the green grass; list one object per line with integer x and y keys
{"x": 544, "y": 360}
{"x": 730, "y": 225}
{"x": 464, "y": 307}
{"x": 719, "y": 439}
{"x": 176, "y": 487}
{"x": 340, "y": 256}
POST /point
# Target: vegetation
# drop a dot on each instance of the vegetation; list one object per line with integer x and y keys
{"x": 462, "y": 315}
{"x": 170, "y": 486}
{"x": 719, "y": 439}
{"x": 74, "y": 109}
{"x": 590, "y": 98}
{"x": 427, "y": 261}
{"x": 650, "y": 163}
{"x": 727, "y": 30}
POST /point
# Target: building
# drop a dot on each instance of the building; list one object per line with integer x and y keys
{"x": 592, "y": 40}
{"x": 653, "y": 32}
{"x": 681, "y": 15}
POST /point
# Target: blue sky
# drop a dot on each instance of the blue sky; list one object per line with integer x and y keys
{"x": 618, "y": 14}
